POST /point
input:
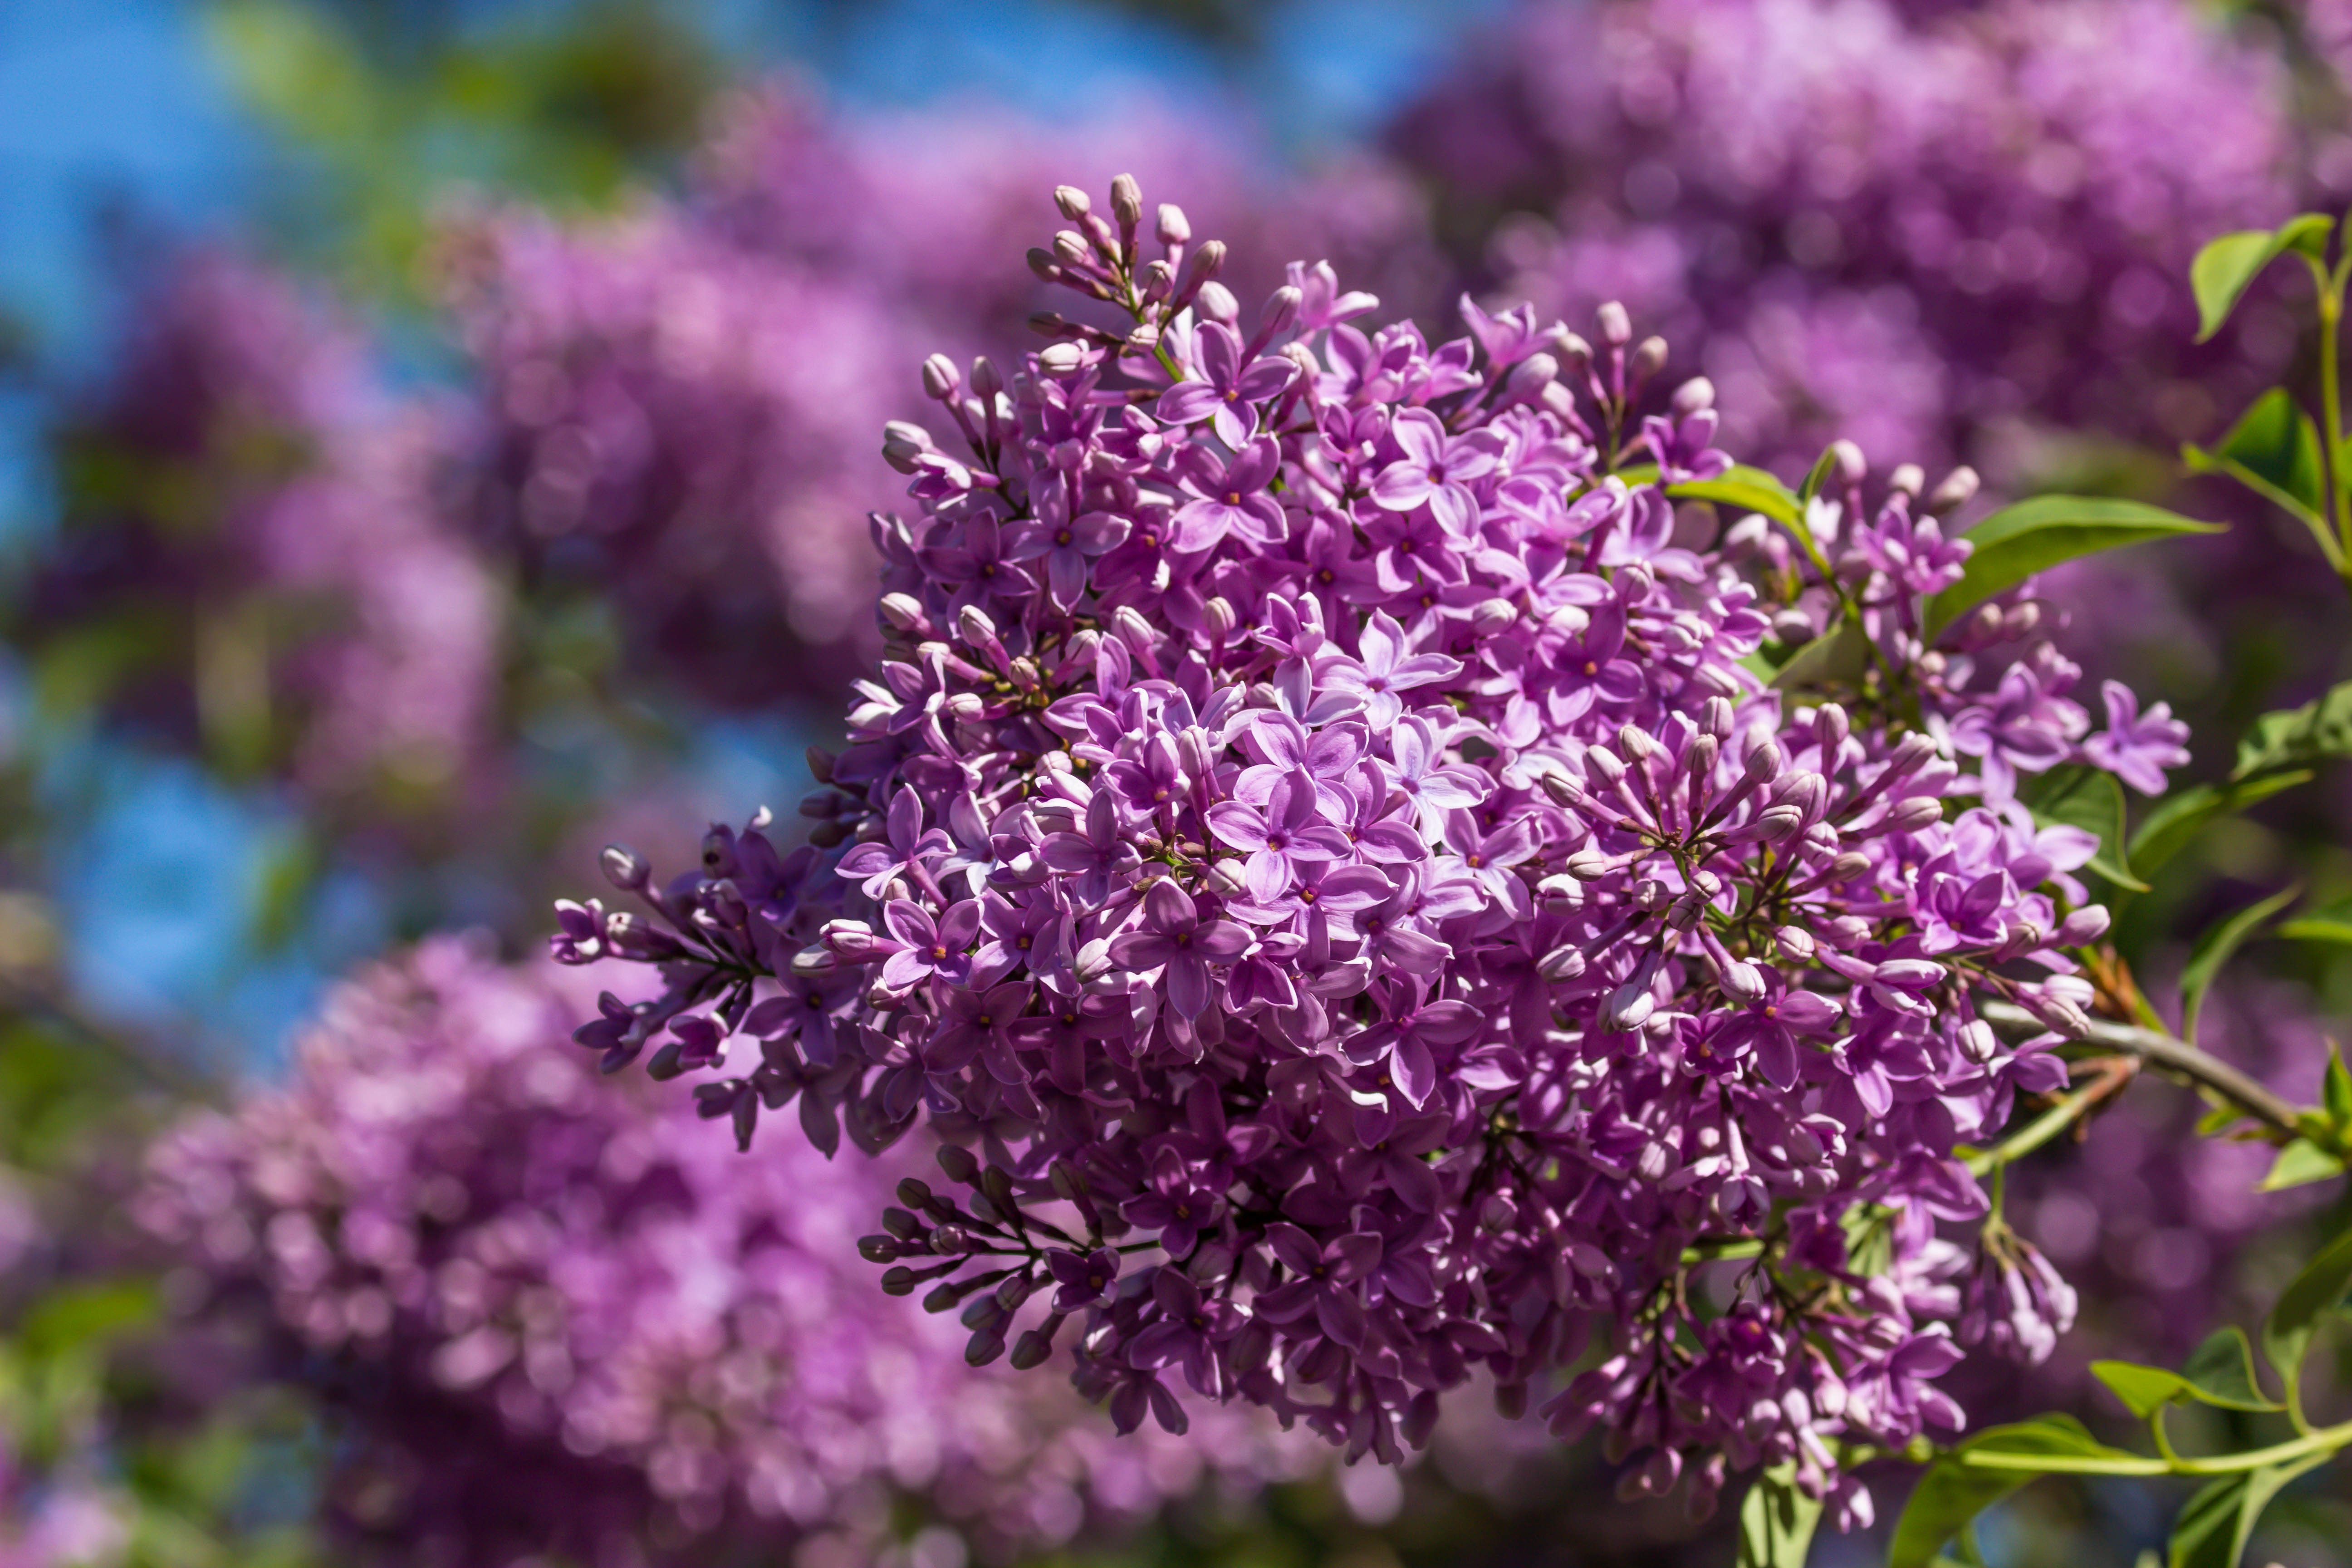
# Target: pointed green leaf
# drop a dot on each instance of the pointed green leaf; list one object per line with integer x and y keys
{"x": 2331, "y": 921}
{"x": 2226, "y": 266}
{"x": 2220, "y": 1371}
{"x": 1823, "y": 467}
{"x": 2296, "y": 737}
{"x": 2035, "y": 535}
{"x": 2314, "y": 1292}
{"x": 1777, "y": 1521}
{"x": 2299, "y": 1164}
{"x": 1748, "y": 489}
{"x": 2215, "y": 948}
{"x": 1950, "y": 1493}
{"x": 2216, "y": 1523}
{"x": 2145, "y": 1390}
{"x": 2078, "y": 796}
{"x": 2272, "y": 450}
{"x": 1836, "y": 657}
{"x": 2180, "y": 816}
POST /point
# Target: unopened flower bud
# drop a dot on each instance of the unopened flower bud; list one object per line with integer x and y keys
{"x": 1848, "y": 866}
{"x": 1573, "y": 351}
{"x": 1158, "y": 281}
{"x": 1199, "y": 269}
{"x": 1560, "y": 964}
{"x": 1072, "y": 202}
{"x": 1093, "y": 961}
{"x": 1638, "y": 744}
{"x": 903, "y": 613}
{"x": 903, "y": 443}
{"x": 813, "y": 962}
{"x": 854, "y": 942}
{"x": 1913, "y": 812}
{"x": 1070, "y": 249}
{"x": 2056, "y": 1015}
{"x": 1699, "y": 761}
{"x": 940, "y": 381}
{"x": 1796, "y": 942}
{"x": 1225, "y": 876}
{"x": 2021, "y": 620}
{"x": 1908, "y": 478}
{"x": 966, "y": 707}
{"x": 1489, "y": 617}
{"x": 1742, "y": 982}
{"x": 1061, "y": 359}
{"x": 1957, "y": 489}
{"x": 1851, "y": 466}
{"x": 2086, "y": 924}
{"x": 1777, "y": 822}
{"x": 1529, "y": 378}
{"x": 1977, "y": 1041}
{"x": 1216, "y": 301}
{"x": 1763, "y": 759}
{"x": 1589, "y": 865}
{"x": 1172, "y": 228}
{"x": 1280, "y": 310}
{"x": 625, "y": 868}
{"x": 1126, "y": 201}
{"x": 1694, "y": 395}
{"x": 1649, "y": 358}
{"x": 1685, "y": 910}
{"x": 1616, "y": 326}
{"x": 1607, "y": 768}
{"x": 987, "y": 380}
{"x": 1629, "y": 1005}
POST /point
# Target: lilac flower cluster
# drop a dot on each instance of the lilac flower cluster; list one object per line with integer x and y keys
{"x": 246, "y": 502}
{"x": 1931, "y": 228}
{"x": 677, "y": 404}
{"x": 1320, "y": 835}
{"x": 637, "y": 1343}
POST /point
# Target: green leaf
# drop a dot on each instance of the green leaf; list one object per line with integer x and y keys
{"x": 2296, "y": 737}
{"x": 2272, "y": 450}
{"x": 2145, "y": 1390}
{"x": 2180, "y": 816}
{"x": 1950, "y": 1493}
{"x": 2017, "y": 540}
{"x": 2226, "y": 266}
{"x": 1750, "y": 490}
{"x": 2299, "y": 1162}
{"x": 2215, "y": 1524}
{"x": 2220, "y": 1372}
{"x": 2294, "y": 1317}
{"x": 80, "y": 1316}
{"x": 1823, "y": 467}
{"x": 2215, "y": 949}
{"x": 2331, "y": 921}
{"x": 1777, "y": 1521}
{"x": 1836, "y": 657}
{"x": 2084, "y": 797}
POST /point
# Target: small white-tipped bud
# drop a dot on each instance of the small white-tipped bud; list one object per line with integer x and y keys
{"x": 987, "y": 380}
{"x": 1649, "y": 358}
{"x": 1715, "y": 719}
{"x": 625, "y": 868}
{"x": 903, "y": 612}
{"x": 1908, "y": 478}
{"x": 1616, "y": 326}
{"x": 1797, "y": 943}
{"x": 1589, "y": 865}
{"x": 1848, "y": 866}
{"x": 1127, "y": 201}
{"x": 1489, "y": 617}
{"x": 1280, "y": 310}
{"x": 1094, "y": 959}
{"x": 974, "y": 624}
{"x": 1061, "y": 359}
{"x": 1977, "y": 1041}
{"x": 1225, "y": 876}
{"x": 966, "y": 707}
{"x": 1173, "y": 229}
{"x": 2087, "y": 924}
{"x": 1560, "y": 964}
{"x": 1573, "y": 351}
{"x": 814, "y": 961}
{"x": 1851, "y": 466}
{"x": 1638, "y": 744}
{"x": 1763, "y": 759}
{"x": 1529, "y": 378}
{"x": 1913, "y": 812}
{"x": 2057, "y": 1014}
{"x": 1219, "y": 617}
{"x": 1958, "y": 487}
{"x": 1072, "y": 202}
{"x": 903, "y": 443}
{"x": 1070, "y": 249}
{"x": 940, "y": 381}
{"x": 1217, "y": 302}
{"x": 1694, "y": 396}
{"x": 1742, "y": 982}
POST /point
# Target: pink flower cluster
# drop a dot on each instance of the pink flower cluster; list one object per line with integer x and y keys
{"x": 1322, "y": 841}
{"x": 468, "y": 1248}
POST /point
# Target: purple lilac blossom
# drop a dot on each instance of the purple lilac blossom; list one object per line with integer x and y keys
{"x": 1626, "y": 955}
{"x": 550, "y": 1317}
{"x": 242, "y": 490}
{"x": 679, "y": 403}
{"x": 1922, "y": 227}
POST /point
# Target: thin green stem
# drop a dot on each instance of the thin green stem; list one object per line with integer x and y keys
{"x": 2325, "y": 1440}
{"x": 2173, "y": 1055}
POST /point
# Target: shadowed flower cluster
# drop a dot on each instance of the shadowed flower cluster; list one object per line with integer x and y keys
{"x": 1322, "y": 844}
{"x": 545, "y": 1314}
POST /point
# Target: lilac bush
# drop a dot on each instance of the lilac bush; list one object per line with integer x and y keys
{"x": 253, "y": 556}
{"x": 549, "y": 1316}
{"x": 1936, "y": 230}
{"x": 677, "y": 403}
{"x": 1371, "y": 889}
